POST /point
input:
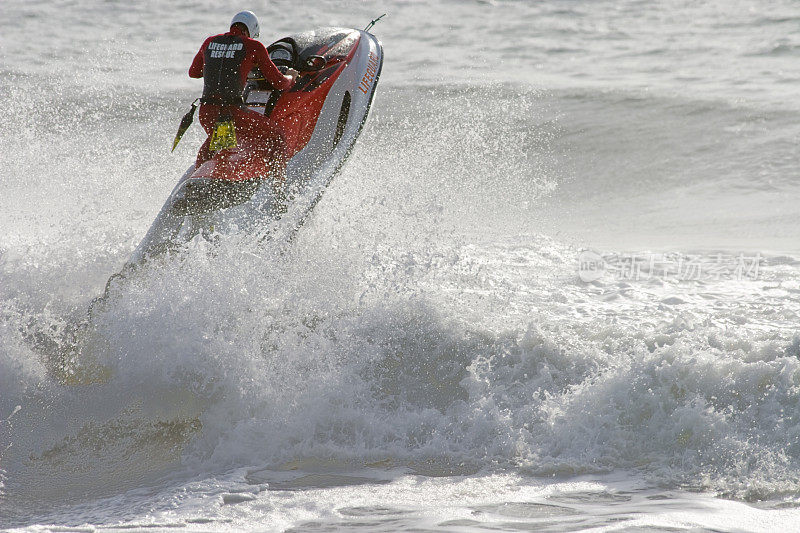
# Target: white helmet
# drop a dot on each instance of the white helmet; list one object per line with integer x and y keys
{"x": 249, "y": 19}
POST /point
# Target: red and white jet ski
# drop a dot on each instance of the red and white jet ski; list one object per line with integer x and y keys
{"x": 321, "y": 116}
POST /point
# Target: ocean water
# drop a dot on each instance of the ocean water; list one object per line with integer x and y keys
{"x": 555, "y": 288}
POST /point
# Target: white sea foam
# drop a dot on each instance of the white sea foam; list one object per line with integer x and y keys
{"x": 425, "y": 355}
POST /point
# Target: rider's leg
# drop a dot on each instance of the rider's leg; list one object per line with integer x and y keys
{"x": 269, "y": 136}
{"x": 273, "y": 149}
{"x": 208, "y": 119}
{"x": 204, "y": 154}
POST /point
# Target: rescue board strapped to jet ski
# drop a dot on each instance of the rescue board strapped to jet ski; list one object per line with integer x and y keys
{"x": 321, "y": 117}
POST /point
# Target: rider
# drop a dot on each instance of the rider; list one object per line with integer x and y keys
{"x": 224, "y": 62}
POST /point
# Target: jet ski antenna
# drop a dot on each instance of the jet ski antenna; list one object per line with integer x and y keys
{"x": 372, "y": 22}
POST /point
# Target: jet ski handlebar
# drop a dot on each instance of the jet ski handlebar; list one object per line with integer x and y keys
{"x": 285, "y": 56}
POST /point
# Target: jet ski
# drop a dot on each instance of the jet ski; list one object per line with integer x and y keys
{"x": 321, "y": 116}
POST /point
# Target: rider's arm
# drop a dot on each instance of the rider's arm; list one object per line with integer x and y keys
{"x": 270, "y": 71}
{"x": 196, "y": 70}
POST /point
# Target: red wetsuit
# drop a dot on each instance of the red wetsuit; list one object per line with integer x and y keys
{"x": 248, "y": 123}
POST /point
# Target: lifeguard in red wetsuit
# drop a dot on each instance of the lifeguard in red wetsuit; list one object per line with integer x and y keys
{"x": 223, "y": 62}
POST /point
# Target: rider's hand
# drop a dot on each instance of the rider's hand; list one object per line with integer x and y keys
{"x": 292, "y": 73}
